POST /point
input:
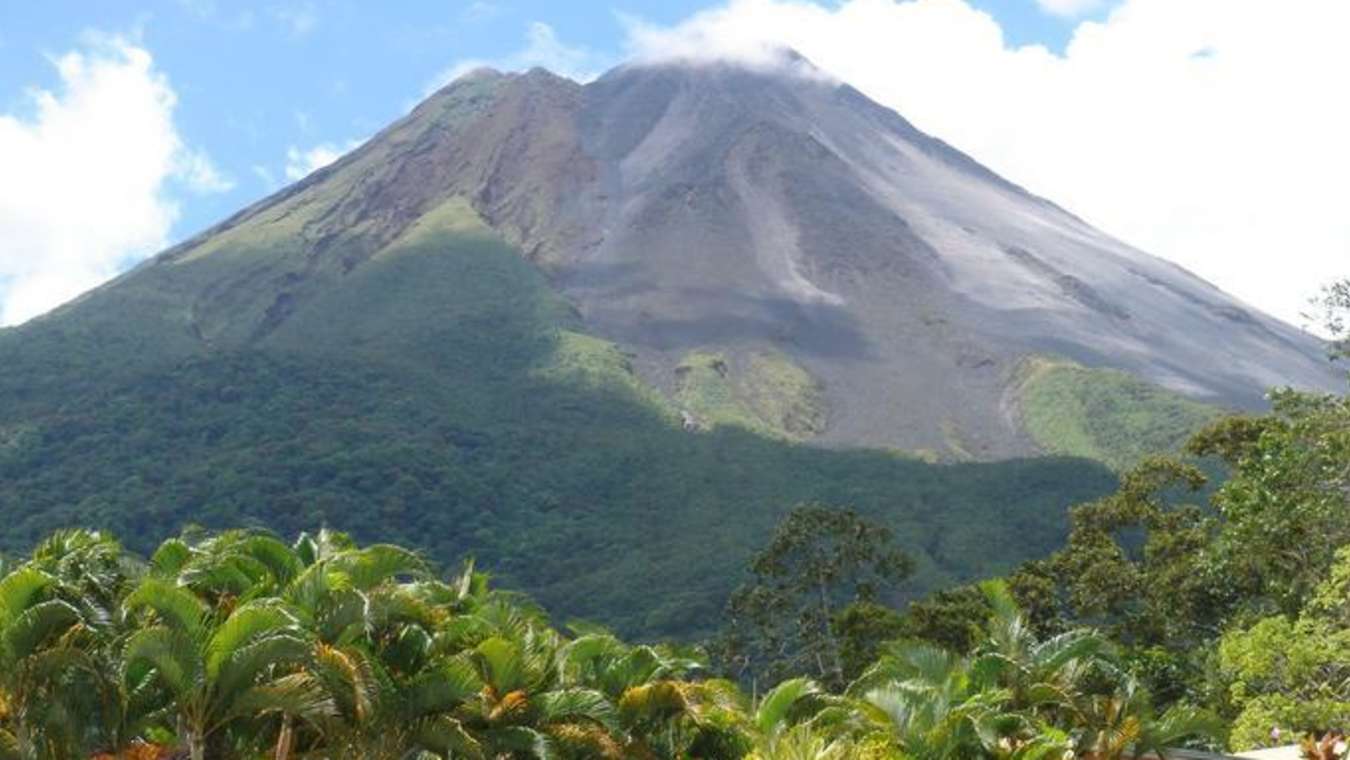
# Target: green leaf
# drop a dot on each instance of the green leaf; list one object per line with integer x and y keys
{"x": 175, "y": 605}
{"x": 173, "y": 656}
{"x": 772, "y": 713}
{"x": 246, "y": 624}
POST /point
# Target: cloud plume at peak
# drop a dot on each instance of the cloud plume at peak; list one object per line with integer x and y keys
{"x": 1204, "y": 131}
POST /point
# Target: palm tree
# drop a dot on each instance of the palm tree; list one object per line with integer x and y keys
{"x": 387, "y": 714}
{"x": 662, "y": 711}
{"x": 928, "y": 701}
{"x": 524, "y": 707}
{"x": 43, "y": 639}
{"x": 1005, "y": 700}
{"x": 1040, "y": 675}
{"x": 1122, "y": 724}
{"x": 214, "y": 669}
{"x": 229, "y": 567}
{"x": 92, "y": 573}
{"x": 394, "y": 691}
{"x": 801, "y": 742}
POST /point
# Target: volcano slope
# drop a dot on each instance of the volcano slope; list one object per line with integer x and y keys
{"x": 603, "y": 336}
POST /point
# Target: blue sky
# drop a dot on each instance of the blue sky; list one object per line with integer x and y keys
{"x": 255, "y": 79}
{"x": 1198, "y": 130}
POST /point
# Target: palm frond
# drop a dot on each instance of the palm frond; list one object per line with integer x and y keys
{"x": 247, "y": 623}
{"x": 442, "y": 688}
{"x": 20, "y": 589}
{"x": 501, "y": 664}
{"x": 173, "y": 604}
{"x": 373, "y": 565}
{"x": 297, "y": 694}
{"x": 447, "y": 737}
{"x": 349, "y": 676}
{"x": 172, "y": 655}
{"x": 775, "y": 708}
{"x": 571, "y": 705}
{"x": 653, "y": 702}
{"x": 170, "y": 558}
{"x": 37, "y": 625}
{"x": 249, "y": 663}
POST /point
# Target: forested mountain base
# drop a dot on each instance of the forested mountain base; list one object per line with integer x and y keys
{"x": 461, "y": 412}
{"x": 603, "y": 510}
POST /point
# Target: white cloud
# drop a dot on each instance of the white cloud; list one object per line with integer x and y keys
{"x": 1070, "y": 8}
{"x": 1209, "y": 132}
{"x": 542, "y": 48}
{"x": 300, "y": 163}
{"x": 84, "y": 189}
{"x": 195, "y": 169}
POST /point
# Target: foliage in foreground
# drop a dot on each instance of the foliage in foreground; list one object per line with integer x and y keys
{"x": 238, "y": 645}
{"x": 1236, "y": 598}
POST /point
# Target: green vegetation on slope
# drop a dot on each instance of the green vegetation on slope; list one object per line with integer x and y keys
{"x": 1104, "y": 414}
{"x": 764, "y": 392}
{"x": 440, "y": 394}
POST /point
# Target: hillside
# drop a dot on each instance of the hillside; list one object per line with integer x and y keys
{"x": 614, "y": 331}
{"x": 463, "y": 414}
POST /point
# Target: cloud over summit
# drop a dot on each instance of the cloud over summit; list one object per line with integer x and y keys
{"x": 1208, "y": 132}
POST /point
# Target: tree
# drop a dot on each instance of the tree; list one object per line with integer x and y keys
{"x": 1293, "y": 672}
{"x": 1146, "y": 565}
{"x": 861, "y": 629}
{"x": 1286, "y": 505}
{"x": 1122, "y": 725}
{"x": 1018, "y": 695}
{"x": 1331, "y": 310}
{"x": 217, "y": 669}
{"x": 819, "y": 561}
{"x": 662, "y": 711}
{"x": 39, "y": 650}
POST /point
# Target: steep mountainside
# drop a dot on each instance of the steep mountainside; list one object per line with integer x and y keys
{"x": 750, "y": 212}
{"x": 694, "y": 210}
{"x": 595, "y": 332}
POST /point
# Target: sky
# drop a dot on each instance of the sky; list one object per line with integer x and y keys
{"x": 1209, "y": 132}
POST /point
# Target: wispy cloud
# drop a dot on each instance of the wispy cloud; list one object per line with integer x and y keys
{"x": 542, "y": 48}
{"x": 301, "y": 162}
{"x": 197, "y": 171}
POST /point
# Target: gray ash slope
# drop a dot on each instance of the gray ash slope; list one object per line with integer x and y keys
{"x": 719, "y": 207}
{"x": 740, "y": 211}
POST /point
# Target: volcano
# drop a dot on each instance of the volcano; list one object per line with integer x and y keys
{"x": 565, "y": 325}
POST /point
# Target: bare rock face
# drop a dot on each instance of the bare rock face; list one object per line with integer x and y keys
{"x": 743, "y": 212}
